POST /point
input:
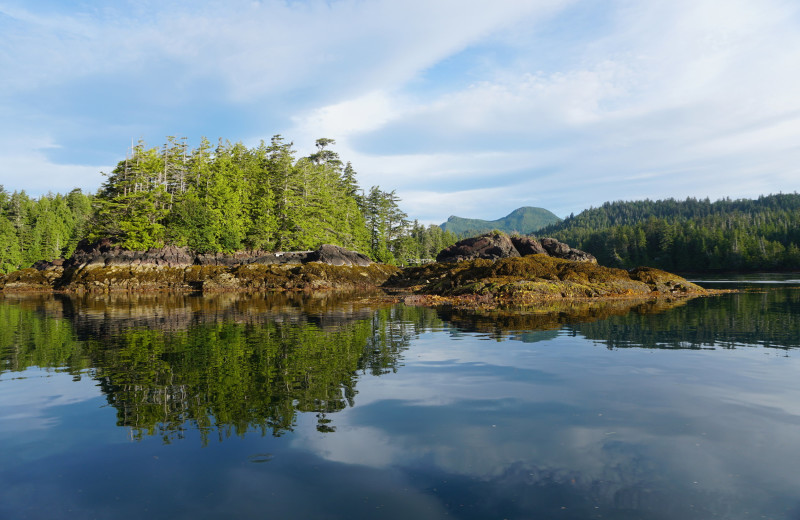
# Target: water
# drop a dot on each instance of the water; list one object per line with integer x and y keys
{"x": 283, "y": 407}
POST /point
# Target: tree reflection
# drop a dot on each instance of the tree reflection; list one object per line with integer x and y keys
{"x": 222, "y": 365}
{"x": 768, "y": 318}
{"x": 230, "y": 363}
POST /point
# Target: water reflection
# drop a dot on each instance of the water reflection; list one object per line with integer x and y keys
{"x": 532, "y": 413}
{"x": 223, "y": 365}
{"x": 229, "y": 363}
{"x": 504, "y": 322}
{"x": 767, "y": 318}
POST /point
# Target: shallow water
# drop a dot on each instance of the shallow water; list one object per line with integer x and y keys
{"x": 282, "y": 407}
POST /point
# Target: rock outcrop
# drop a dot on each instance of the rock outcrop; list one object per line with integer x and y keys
{"x": 104, "y": 253}
{"x": 488, "y": 247}
{"x": 493, "y": 268}
{"x": 534, "y": 278}
{"x": 561, "y": 250}
{"x": 493, "y": 246}
{"x": 335, "y": 255}
{"x": 30, "y": 280}
{"x": 102, "y": 266}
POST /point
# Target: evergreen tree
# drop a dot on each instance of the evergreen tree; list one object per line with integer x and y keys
{"x": 133, "y": 202}
{"x": 690, "y": 235}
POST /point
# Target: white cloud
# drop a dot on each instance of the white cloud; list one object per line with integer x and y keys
{"x": 678, "y": 99}
{"x": 26, "y": 165}
{"x": 261, "y": 58}
{"x": 257, "y": 48}
{"x": 362, "y": 114}
{"x": 664, "y": 98}
{"x": 28, "y": 404}
{"x": 352, "y": 445}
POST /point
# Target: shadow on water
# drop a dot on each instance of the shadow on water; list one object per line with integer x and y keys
{"x": 764, "y": 318}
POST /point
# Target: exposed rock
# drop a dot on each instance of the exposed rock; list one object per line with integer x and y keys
{"x": 555, "y": 248}
{"x": 526, "y": 245}
{"x": 42, "y": 265}
{"x": 104, "y": 266}
{"x": 558, "y": 249}
{"x": 534, "y": 278}
{"x": 662, "y": 281}
{"x": 489, "y": 247}
{"x": 214, "y": 278}
{"x": 104, "y": 253}
{"x": 252, "y": 257}
{"x": 335, "y": 255}
{"x": 29, "y": 280}
{"x": 499, "y": 245}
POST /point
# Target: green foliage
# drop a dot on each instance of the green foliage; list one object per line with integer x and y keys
{"x": 217, "y": 199}
{"x": 386, "y": 224}
{"x": 28, "y": 338}
{"x": 231, "y": 198}
{"x": 40, "y": 229}
{"x": 422, "y": 244}
{"x": 523, "y": 220}
{"x": 692, "y": 235}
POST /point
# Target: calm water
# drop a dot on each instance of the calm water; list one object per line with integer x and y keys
{"x": 279, "y": 407}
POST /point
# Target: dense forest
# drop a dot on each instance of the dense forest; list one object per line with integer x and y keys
{"x": 40, "y": 229}
{"x": 219, "y": 199}
{"x": 690, "y": 235}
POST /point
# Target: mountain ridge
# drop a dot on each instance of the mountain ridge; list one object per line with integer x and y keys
{"x": 524, "y": 220}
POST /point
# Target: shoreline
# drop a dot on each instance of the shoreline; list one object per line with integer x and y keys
{"x": 479, "y": 272}
{"x": 323, "y": 279}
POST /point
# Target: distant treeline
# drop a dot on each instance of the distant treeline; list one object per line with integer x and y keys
{"x": 690, "y": 235}
{"x": 219, "y": 199}
{"x": 40, "y": 229}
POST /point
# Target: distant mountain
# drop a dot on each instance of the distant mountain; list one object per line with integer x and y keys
{"x": 523, "y": 220}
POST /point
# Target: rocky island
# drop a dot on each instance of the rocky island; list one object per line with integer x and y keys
{"x": 496, "y": 268}
{"x": 493, "y": 267}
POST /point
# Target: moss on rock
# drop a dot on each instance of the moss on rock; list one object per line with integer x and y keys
{"x": 28, "y": 280}
{"x": 537, "y": 277}
{"x": 256, "y": 277}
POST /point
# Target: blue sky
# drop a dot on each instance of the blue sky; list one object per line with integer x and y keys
{"x": 466, "y": 107}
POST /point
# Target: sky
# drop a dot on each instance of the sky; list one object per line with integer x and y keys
{"x": 464, "y": 107}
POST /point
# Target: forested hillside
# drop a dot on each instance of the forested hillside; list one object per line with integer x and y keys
{"x": 523, "y": 220}
{"x": 219, "y": 199}
{"x": 690, "y": 235}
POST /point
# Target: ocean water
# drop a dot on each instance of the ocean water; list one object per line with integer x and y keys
{"x": 276, "y": 406}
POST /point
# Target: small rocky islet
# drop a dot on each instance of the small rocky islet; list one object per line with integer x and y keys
{"x": 491, "y": 268}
